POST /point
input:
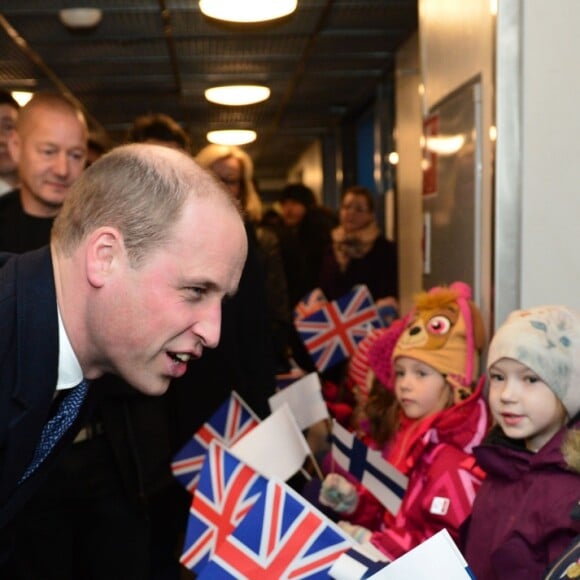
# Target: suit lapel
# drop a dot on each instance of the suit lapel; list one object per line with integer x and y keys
{"x": 37, "y": 364}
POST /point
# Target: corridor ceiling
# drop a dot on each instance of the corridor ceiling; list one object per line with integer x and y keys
{"x": 323, "y": 63}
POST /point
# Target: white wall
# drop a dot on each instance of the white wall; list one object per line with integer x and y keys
{"x": 537, "y": 208}
{"x": 408, "y": 122}
{"x": 550, "y": 259}
{"x": 456, "y": 39}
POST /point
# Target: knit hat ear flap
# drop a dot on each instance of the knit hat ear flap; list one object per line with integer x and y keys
{"x": 475, "y": 331}
{"x": 358, "y": 366}
{"x": 380, "y": 354}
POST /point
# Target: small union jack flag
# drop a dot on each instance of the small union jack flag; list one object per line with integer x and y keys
{"x": 309, "y": 304}
{"x": 226, "y": 491}
{"x": 332, "y": 333}
{"x": 228, "y": 424}
{"x": 281, "y": 537}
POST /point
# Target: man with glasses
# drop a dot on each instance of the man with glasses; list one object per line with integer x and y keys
{"x": 8, "y": 117}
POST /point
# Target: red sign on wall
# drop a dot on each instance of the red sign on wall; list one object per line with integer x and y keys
{"x": 429, "y": 161}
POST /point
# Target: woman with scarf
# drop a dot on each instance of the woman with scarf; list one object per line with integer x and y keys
{"x": 360, "y": 254}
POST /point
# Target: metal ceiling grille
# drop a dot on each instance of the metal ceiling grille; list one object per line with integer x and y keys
{"x": 322, "y": 63}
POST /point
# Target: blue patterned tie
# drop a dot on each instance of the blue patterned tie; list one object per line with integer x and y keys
{"x": 57, "y": 425}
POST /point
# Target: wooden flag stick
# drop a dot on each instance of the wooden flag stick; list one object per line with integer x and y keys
{"x": 316, "y": 466}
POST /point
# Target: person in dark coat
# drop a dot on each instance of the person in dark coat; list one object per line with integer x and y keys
{"x": 304, "y": 238}
{"x": 235, "y": 168}
{"x": 360, "y": 254}
{"x": 8, "y": 115}
{"x": 49, "y": 147}
{"x": 520, "y": 522}
{"x": 130, "y": 286}
{"x": 304, "y": 235}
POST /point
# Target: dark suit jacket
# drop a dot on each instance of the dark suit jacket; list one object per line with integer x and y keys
{"x": 28, "y": 373}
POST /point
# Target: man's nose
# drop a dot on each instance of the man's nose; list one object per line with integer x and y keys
{"x": 208, "y": 324}
{"x": 61, "y": 164}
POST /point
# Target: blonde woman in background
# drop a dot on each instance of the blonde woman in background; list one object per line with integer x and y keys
{"x": 234, "y": 167}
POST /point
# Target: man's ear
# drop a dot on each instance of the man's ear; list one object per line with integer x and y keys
{"x": 104, "y": 252}
{"x": 13, "y": 144}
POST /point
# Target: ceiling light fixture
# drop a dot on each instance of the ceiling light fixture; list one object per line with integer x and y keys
{"x": 231, "y": 137}
{"x": 247, "y": 11}
{"x": 235, "y": 95}
{"x": 445, "y": 144}
{"x": 80, "y": 18}
{"x": 21, "y": 97}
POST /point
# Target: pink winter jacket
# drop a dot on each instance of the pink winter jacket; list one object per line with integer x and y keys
{"x": 436, "y": 454}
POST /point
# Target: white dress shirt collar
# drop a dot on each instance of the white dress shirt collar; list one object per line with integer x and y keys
{"x": 5, "y": 187}
{"x": 70, "y": 373}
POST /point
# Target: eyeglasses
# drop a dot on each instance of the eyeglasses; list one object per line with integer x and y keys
{"x": 357, "y": 208}
{"x": 231, "y": 181}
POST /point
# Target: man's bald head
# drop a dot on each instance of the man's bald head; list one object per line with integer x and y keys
{"x": 138, "y": 189}
{"x": 41, "y": 102}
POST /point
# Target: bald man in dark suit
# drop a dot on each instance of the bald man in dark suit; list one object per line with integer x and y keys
{"x": 145, "y": 249}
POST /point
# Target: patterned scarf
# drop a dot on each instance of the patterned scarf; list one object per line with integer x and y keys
{"x": 353, "y": 245}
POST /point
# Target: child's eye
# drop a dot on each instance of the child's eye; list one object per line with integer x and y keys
{"x": 532, "y": 379}
{"x": 439, "y": 325}
{"x": 495, "y": 376}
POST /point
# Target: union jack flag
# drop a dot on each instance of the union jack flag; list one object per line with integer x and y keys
{"x": 226, "y": 491}
{"x": 228, "y": 424}
{"x": 332, "y": 333}
{"x": 309, "y": 303}
{"x": 281, "y": 537}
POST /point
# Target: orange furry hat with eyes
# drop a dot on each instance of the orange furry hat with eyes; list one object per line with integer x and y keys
{"x": 444, "y": 330}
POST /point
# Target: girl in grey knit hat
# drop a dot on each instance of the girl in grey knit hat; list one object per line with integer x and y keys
{"x": 520, "y": 522}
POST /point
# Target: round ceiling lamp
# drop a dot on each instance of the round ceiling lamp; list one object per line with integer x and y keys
{"x": 248, "y": 10}
{"x": 236, "y": 95}
{"x": 80, "y": 18}
{"x": 231, "y": 137}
